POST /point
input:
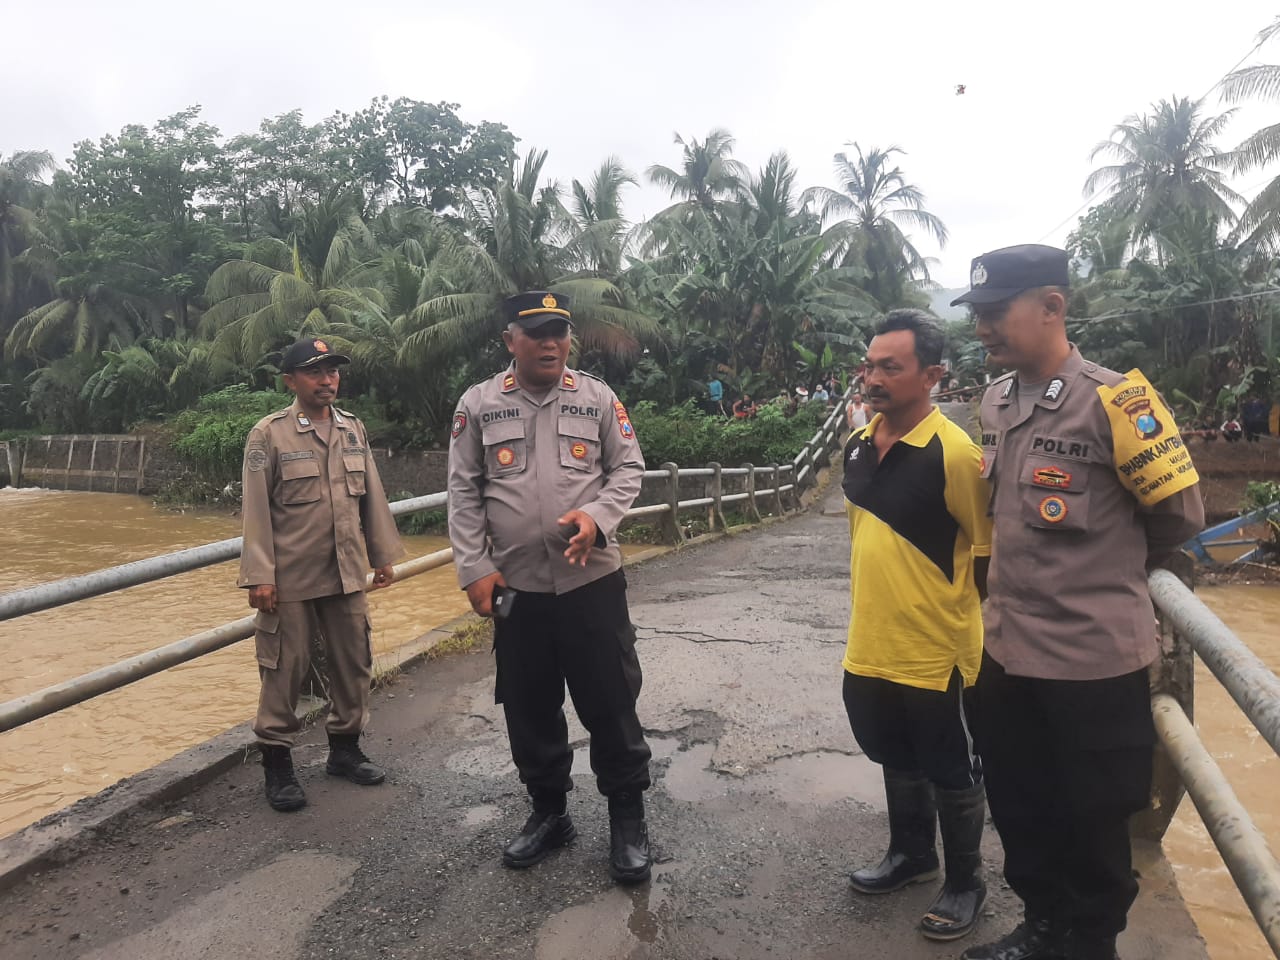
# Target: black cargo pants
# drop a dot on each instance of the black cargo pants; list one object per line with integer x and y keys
{"x": 583, "y": 639}
{"x": 1066, "y": 762}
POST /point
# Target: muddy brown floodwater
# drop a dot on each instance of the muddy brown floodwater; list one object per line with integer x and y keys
{"x": 1250, "y": 766}
{"x": 47, "y": 535}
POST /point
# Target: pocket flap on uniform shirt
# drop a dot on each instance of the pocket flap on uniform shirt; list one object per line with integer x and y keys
{"x": 297, "y": 469}
{"x": 502, "y": 430}
{"x": 580, "y": 427}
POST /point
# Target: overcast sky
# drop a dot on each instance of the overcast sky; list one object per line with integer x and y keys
{"x": 1002, "y": 164}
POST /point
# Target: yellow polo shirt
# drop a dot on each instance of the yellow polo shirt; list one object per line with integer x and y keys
{"x": 917, "y": 519}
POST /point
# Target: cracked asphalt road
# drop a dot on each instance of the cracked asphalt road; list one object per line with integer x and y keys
{"x": 760, "y": 805}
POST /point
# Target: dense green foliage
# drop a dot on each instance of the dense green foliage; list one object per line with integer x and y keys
{"x": 686, "y": 436}
{"x": 166, "y": 263}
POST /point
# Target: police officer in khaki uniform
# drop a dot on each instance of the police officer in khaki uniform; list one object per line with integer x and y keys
{"x": 543, "y": 466}
{"x": 315, "y": 520}
{"x": 1092, "y": 488}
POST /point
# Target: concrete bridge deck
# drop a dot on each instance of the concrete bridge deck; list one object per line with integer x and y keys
{"x": 760, "y": 804}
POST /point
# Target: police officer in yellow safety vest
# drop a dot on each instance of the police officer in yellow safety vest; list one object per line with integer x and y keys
{"x": 315, "y": 520}
{"x": 1092, "y": 488}
{"x": 543, "y": 466}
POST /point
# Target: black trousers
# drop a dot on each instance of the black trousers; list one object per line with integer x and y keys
{"x": 583, "y": 639}
{"x": 1066, "y": 764}
{"x": 913, "y": 730}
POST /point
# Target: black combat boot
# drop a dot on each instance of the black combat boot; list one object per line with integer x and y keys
{"x": 283, "y": 792}
{"x": 346, "y": 759}
{"x": 547, "y": 828}
{"x": 1035, "y": 938}
{"x": 629, "y": 856}
{"x": 913, "y": 819}
{"x": 961, "y": 815}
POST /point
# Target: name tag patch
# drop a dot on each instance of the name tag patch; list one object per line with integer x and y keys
{"x": 298, "y": 455}
{"x": 1071, "y": 449}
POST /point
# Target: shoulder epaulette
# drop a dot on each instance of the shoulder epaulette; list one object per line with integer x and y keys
{"x": 278, "y": 414}
{"x": 594, "y": 377}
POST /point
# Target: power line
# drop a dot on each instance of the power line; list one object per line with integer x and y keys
{"x": 1178, "y": 306}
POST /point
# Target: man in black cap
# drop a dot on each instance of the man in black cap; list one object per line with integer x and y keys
{"x": 315, "y": 520}
{"x": 543, "y": 466}
{"x": 1092, "y": 488}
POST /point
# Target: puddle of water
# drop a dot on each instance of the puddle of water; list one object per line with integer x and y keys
{"x": 478, "y": 816}
{"x": 610, "y": 927}
{"x": 814, "y": 779}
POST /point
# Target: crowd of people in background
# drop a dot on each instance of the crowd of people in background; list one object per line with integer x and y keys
{"x": 827, "y": 390}
{"x": 1250, "y": 423}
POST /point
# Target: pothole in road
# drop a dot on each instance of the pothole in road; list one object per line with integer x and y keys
{"x": 814, "y": 779}
{"x": 478, "y": 816}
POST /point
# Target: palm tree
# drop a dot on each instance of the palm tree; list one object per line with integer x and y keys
{"x": 282, "y": 289}
{"x": 1260, "y": 222}
{"x": 708, "y": 173}
{"x": 876, "y": 202}
{"x": 1166, "y": 162}
{"x": 599, "y": 228}
{"x": 515, "y": 243}
{"x": 20, "y": 190}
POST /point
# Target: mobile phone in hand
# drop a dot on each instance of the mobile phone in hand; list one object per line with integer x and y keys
{"x": 504, "y": 599}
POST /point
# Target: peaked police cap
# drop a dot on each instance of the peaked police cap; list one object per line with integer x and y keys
{"x": 1003, "y": 274}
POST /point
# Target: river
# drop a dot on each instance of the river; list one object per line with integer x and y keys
{"x": 48, "y": 764}
{"x": 47, "y": 535}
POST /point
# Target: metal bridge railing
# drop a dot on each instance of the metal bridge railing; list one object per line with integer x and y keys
{"x": 784, "y": 484}
{"x": 1190, "y": 628}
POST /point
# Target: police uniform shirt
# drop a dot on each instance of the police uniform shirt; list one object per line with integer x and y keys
{"x": 315, "y": 514}
{"x": 1091, "y": 484}
{"x": 518, "y": 462}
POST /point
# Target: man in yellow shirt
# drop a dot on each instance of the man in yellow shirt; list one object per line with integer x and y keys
{"x": 921, "y": 536}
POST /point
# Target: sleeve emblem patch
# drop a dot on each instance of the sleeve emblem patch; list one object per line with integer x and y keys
{"x": 459, "y": 424}
{"x": 624, "y": 421}
{"x": 256, "y": 459}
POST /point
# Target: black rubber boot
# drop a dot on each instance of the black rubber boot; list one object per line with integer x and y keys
{"x": 283, "y": 792}
{"x": 346, "y": 759}
{"x": 629, "y": 858}
{"x": 961, "y": 816}
{"x": 912, "y": 856}
{"x": 1035, "y": 938}
{"x": 548, "y": 828}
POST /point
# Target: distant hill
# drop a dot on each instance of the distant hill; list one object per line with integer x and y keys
{"x": 940, "y": 302}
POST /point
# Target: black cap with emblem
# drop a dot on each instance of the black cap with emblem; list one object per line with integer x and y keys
{"x": 305, "y": 353}
{"x": 535, "y": 307}
{"x": 1003, "y": 274}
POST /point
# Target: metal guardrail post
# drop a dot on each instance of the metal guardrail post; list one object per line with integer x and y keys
{"x": 753, "y": 508}
{"x": 1173, "y": 673}
{"x": 715, "y": 512}
{"x": 1245, "y": 852}
{"x": 671, "y": 519}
